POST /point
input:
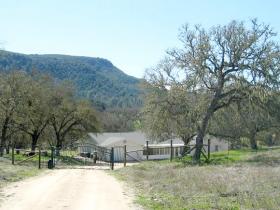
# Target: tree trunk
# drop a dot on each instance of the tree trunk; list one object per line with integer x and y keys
{"x": 203, "y": 127}
{"x": 34, "y": 142}
{"x": 8, "y": 149}
{"x": 58, "y": 144}
{"x": 3, "y": 138}
{"x": 201, "y": 133}
{"x": 1, "y": 148}
{"x": 253, "y": 141}
{"x": 58, "y": 148}
{"x": 270, "y": 140}
{"x": 186, "y": 141}
{"x": 199, "y": 144}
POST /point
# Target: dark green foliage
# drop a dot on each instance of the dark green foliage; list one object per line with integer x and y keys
{"x": 95, "y": 78}
{"x": 119, "y": 120}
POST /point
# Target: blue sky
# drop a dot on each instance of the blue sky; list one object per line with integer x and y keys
{"x": 132, "y": 34}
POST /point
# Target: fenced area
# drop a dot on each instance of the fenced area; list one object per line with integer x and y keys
{"x": 37, "y": 158}
{"x": 86, "y": 154}
{"x": 74, "y": 156}
{"x": 90, "y": 155}
{"x": 127, "y": 154}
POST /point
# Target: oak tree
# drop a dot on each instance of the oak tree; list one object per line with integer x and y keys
{"x": 224, "y": 63}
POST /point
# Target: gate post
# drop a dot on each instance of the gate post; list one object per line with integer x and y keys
{"x": 94, "y": 157}
{"x": 52, "y": 157}
{"x": 147, "y": 150}
{"x": 39, "y": 166}
{"x": 13, "y": 155}
{"x": 171, "y": 150}
{"x": 208, "y": 150}
{"x": 112, "y": 158}
{"x": 124, "y": 160}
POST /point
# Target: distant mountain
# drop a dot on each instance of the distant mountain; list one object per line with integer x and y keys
{"x": 95, "y": 78}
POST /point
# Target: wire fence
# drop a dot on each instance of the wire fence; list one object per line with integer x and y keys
{"x": 37, "y": 158}
{"x": 87, "y": 155}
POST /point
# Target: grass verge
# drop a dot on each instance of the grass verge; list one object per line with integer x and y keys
{"x": 66, "y": 158}
{"x": 11, "y": 173}
{"x": 239, "y": 180}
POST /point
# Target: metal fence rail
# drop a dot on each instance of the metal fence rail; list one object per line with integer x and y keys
{"x": 87, "y": 154}
{"x": 37, "y": 157}
{"x": 82, "y": 154}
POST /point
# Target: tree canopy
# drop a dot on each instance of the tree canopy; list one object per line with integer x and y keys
{"x": 222, "y": 65}
{"x": 36, "y": 106}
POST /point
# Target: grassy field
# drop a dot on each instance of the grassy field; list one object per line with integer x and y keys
{"x": 240, "y": 179}
{"x": 11, "y": 173}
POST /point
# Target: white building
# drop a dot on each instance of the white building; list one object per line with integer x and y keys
{"x": 134, "y": 142}
{"x": 136, "y": 145}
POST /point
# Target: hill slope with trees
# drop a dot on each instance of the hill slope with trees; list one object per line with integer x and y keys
{"x": 95, "y": 78}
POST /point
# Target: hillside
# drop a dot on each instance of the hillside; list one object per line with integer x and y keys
{"x": 95, "y": 78}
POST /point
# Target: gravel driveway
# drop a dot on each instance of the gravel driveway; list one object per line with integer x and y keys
{"x": 73, "y": 189}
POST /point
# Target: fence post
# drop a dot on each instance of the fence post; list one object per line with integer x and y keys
{"x": 39, "y": 158}
{"x": 147, "y": 150}
{"x": 94, "y": 157}
{"x": 52, "y": 156}
{"x": 124, "y": 160}
{"x": 112, "y": 158}
{"x": 13, "y": 155}
{"x": 171, "y": 150}
{"x": 208, "y": 150}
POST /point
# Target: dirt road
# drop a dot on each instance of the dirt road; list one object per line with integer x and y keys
{"x": 68, "y": 189}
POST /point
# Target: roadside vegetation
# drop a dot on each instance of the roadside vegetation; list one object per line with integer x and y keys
{"x": 12, "y": 173}
{"x": 240, "y": 179}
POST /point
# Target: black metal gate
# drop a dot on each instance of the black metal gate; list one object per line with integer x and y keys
{"x": 83, "y": 155}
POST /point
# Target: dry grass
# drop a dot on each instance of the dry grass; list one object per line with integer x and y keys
{"x": 253, "y": 183}
{"x": 11, "y": 173}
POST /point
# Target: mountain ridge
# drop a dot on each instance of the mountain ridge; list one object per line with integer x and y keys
{"x": 95, "y": 78}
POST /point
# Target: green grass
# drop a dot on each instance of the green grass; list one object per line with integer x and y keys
{"x": 229, "y": 157}
{"x": 242, "y": 179}
{"x": 20, "y": 159}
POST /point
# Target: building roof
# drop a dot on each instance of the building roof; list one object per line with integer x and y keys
{"x": 107, "y": 139}
{"x": 165, "y": 145}
{"x": 174, "y": 141}
{"x": 136, "y": 138}
{"x": 119, "y": 141}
